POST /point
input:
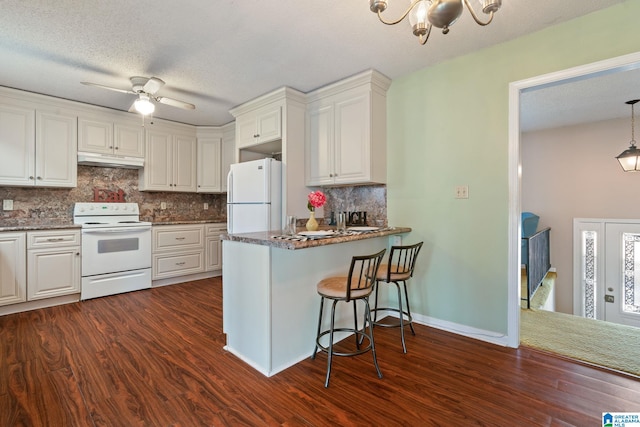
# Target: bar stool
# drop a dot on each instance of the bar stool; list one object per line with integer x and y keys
{"x": 357, "y": 285}
{"x": 399, "y": 268}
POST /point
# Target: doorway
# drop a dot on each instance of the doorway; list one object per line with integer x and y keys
{"x": 515, "y": 90}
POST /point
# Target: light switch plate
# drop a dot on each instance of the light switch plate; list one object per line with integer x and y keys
{"x": 7, "y": 205}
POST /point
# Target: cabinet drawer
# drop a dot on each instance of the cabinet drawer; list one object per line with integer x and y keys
{"x": 215, "y": 229}
{"x": 170, "y": 265}
{"x": 178, "y": 238}
{"x": 52, "y": 239}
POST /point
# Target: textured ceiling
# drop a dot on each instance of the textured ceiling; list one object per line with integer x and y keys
{"x": 218, "y": 54}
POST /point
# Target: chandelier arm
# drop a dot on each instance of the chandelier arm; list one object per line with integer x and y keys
{"x": 475, "y": 17}
{"x": 404, "y": 15}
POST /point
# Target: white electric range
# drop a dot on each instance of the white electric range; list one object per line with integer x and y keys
{"x": 116, "y": 248}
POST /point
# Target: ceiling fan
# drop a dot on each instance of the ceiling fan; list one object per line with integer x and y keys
{"x": 145, "y": 89}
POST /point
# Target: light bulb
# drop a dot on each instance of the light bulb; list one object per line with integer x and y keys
{"x": 143, "y": 105}
{"x": 418, "y": 17}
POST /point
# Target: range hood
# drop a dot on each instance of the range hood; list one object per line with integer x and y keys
{"x": 110, "y": 161}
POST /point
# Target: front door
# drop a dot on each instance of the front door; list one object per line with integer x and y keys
{"x": 622, "y": 273}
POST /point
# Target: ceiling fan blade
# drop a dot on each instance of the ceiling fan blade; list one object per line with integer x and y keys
{"x": 175, "y": 103}
{"x": 108, "y": 88}
{"x": 132, "y": 109}
{"x": 152, "y": 85}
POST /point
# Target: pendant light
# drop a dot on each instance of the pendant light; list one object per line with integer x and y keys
{"x": 630, "y": 158}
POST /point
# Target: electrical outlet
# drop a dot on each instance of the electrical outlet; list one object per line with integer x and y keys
{"x": 7, "y": 205}
{"x": 163, "y": 205}
{"x": 206, "y": 206}
{"x": 462, "y": 192}
{"x": 396, "y": 240}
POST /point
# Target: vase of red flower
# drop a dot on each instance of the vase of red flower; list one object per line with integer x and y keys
{"x": 316, "y": 199}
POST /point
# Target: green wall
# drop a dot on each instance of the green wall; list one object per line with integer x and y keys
{"x": 448, "y": 126}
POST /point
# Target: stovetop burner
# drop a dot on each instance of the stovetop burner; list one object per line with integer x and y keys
{"x": 104, "y": 215}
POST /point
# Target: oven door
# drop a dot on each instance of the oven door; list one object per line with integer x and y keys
{"x": 110, "y": 250}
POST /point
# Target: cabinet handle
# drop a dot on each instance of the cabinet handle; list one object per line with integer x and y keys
{"x": 180, "y": 263}
{"x": 256, "y": 135}
{"x": 180, "y": 238}
{"x": 52, "y": 239}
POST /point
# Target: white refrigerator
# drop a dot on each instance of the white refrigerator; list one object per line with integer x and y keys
{"x": 254, "y": 196}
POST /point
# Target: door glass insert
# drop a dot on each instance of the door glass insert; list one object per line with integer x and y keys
{"x": 631, "y": 273}
{"x": 589, "y": 273}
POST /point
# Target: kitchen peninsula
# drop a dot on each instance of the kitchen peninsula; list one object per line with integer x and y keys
{"x": 270, "y": 303}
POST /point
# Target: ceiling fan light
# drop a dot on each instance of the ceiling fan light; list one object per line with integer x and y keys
{"x": 143, "y": 105}
{"x": 489, "y": 6}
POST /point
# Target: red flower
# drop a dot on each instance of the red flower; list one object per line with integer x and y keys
{"x": 316, "y": 200}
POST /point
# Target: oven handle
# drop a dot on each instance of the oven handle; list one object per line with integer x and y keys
{"x": 116, "y": 230}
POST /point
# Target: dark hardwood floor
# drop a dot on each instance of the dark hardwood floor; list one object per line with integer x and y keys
{"x": 155, "y": 358}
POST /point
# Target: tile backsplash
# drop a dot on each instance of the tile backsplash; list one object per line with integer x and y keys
{"x": 57, "y": 203}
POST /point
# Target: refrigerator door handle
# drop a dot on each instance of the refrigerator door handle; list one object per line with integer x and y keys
{"x": 229, "y": 200}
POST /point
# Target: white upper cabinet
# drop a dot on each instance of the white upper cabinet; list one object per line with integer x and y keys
{"x": 259, "y": 126}
{"x": 209, "y": 154}
{"x": 346, "y": 130}
{"x": 228, "y": 153}
{"x": 170, "y": 161}
{"x": 38, "y": 145}
{"x": 114, "y": 137}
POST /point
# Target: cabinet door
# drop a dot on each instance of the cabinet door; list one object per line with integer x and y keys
{"x": 53, "y": 272}
{"x": 157, "y": 172}
{"x": 95, "y": 136}
{"x": 17, "y": 138}
{"x": 269, "y": 125}
{"x": 209, "y": 165}
{"x": 128, "y": 140}
{"x": 228, "y": 156}
{"x": 184, "y": 163}
{"x": 352, "y": 156}
{"x": 56, "y": 150}
{"x": 13, "y": 267}
{"x": 214, "y": 254}
{"x": 319, "y": 146}
{"x": 246, "y": 131}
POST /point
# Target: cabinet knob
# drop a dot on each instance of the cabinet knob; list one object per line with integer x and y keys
{"x": 256, "y": 135}
{"x": 31, "y": 177}
{"x": 117, "y": 148}
{"x": 111, "y": 146}
{"x": 40, "y": 178}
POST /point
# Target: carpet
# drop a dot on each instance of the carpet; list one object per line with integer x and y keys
{"x": 543, "y": 292}
{"x": 596, "y": 342}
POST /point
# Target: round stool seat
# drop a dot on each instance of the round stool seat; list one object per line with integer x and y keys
{"x": 396, "y": 273}
{"x": 336, "y": 288}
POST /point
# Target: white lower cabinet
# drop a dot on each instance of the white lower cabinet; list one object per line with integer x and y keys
{"x": 53, "y": 263}
{"x": 178, "y": 250}
{"x": 214, "y": 245}
{"x": 37, "y": 265}
{"x": 185, "y": 249}
{"x": 13, "y": 277}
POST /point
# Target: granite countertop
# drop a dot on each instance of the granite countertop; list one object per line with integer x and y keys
{"x": 187, "y": 221}
{"x": 277, "y": 239}
{"x": 29, "y": 224}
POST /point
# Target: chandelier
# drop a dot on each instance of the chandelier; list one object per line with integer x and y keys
{"x": 423, "y": 14}
{"x": 630, "y": 158}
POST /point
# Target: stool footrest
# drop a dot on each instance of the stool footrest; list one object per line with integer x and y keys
{"x": 361, "y": 335}
{"x": 406, "y": 321}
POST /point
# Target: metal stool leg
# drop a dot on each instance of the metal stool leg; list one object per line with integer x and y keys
{"x": 406, "y": 296}
{"x": 315, "y": 350}
{"x": 401, "y": 316}
{"x": 330, "y": 352}
{"x": 367, "y": 311}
